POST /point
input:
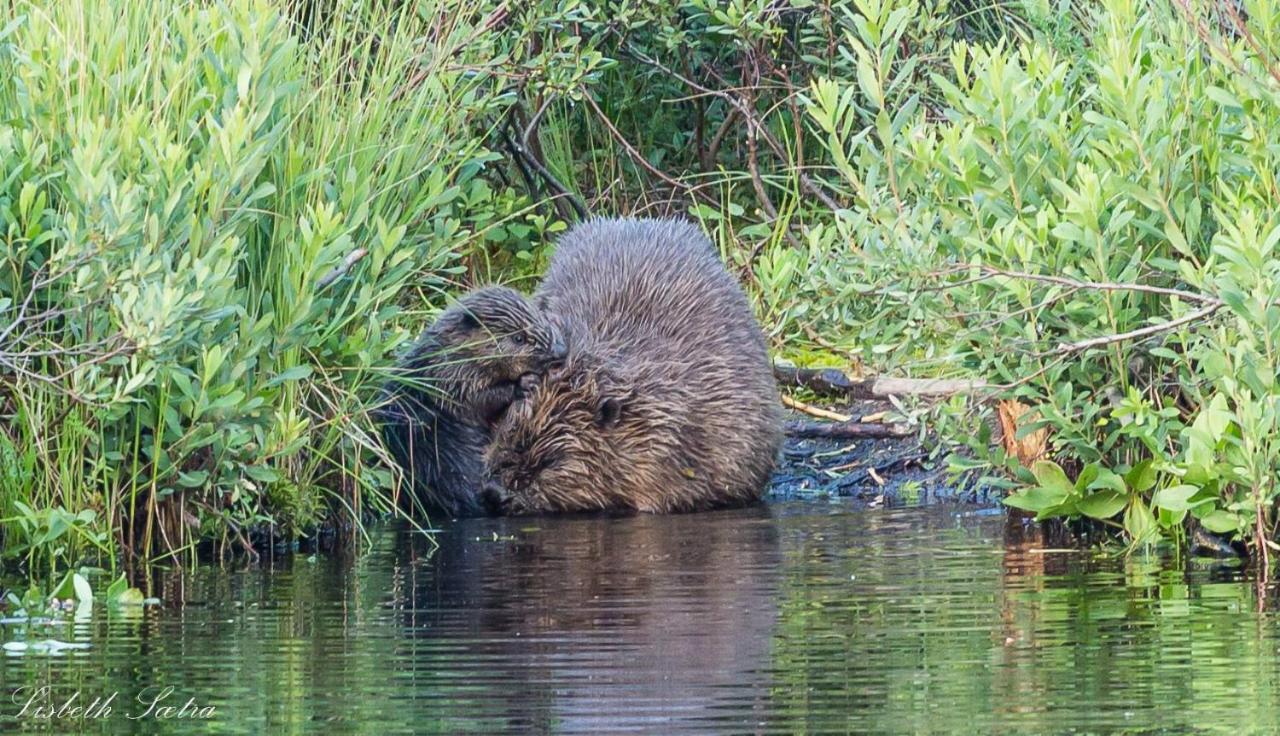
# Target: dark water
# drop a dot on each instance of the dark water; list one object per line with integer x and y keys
{"x": 792, "y": 618}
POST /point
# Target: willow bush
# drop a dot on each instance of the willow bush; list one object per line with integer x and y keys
{"x": 213, "y": 236}
{"x": 1094, "y": 233}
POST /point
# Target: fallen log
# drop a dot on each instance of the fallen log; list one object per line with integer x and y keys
{"x": 845, "y": 430}
{"x": 834, "y": 382}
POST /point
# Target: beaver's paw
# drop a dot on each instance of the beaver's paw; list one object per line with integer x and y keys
{"x": 526, "y": 384}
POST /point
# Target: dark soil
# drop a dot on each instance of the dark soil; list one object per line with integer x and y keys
{"x": 874, "y": 472}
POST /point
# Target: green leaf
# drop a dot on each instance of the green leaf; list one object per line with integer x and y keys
{"x": 84, "y": 593}
{"x": 1222, "y": 97}
{"x": 1102, "y": 504}
{"x": 1086, "y": 477}
{"x": 1138, "y": 521}
{"x": 296, "y": 373}
{"x": 1051, "y": 477}
{"x": 1214, "y": 419}
{"x": 1109, "y": 480}
{"x": 116, "y": 588}
{"x": 1174, "y": 498}
{"x": 1142, "y": 477}
{"x": 1036, "y": 498}
{"x": 73, "y": 586}
{"x": 193, "y": 479}
{"x": 1221, "y": 521}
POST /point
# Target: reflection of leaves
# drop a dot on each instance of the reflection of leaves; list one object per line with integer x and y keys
{"x": 73, "y": 587}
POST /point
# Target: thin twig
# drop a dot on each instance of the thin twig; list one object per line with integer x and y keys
{"x": 992, "y": 272}
{"x": 751, "y": 119}
{"x": 337, "y": 271}
{"x": 522, "y": 148}
{"x": 814, "y": 411}
{"x": 639, "y": 157}
{"x": 1196, "y": 316}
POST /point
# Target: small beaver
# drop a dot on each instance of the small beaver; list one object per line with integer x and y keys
{"x": 667, "y": 400}
{"x": 455, "y": 382}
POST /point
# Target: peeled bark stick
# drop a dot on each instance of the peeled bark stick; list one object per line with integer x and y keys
{"x": 845, "y": 430}
{"x": 883, "y": 387}
{"x": 815, "y": 411}
{"x": 834, "y": 382}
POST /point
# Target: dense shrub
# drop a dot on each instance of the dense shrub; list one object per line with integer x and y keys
{"x": 209, "y": 231}
{"x": 1096, "y": 234}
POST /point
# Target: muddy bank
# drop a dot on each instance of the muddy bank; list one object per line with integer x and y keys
{"x": 896, "y": 471}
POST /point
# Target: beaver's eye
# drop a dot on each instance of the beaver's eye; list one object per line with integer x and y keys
{"x": 518, "y": 338}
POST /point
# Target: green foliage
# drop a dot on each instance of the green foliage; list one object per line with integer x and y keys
{"x": 1023, "y": 231}
{"x": 209, "y": 232}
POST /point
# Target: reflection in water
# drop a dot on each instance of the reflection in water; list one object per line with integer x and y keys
{"x": 584, "y": 624}
{"x": 786, "y": 618}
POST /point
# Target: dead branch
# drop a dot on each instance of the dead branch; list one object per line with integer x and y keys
{"x": 990, "y": 272}
{"x": 717, "y": 139}
{"x": 884, "y": 387}
{"x": 773, "y": 143}
{"x": 823, "y": 381}
{"x": 1188, "y": 318}
{"x": 639, "y": 157}
{"x": 522, "y": 150}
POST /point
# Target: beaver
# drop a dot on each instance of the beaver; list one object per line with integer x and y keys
{"x": 454, "y": 383}
{"x": 667, "y": 400}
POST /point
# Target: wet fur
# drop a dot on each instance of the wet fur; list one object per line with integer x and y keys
{"x": 458, "y": 379}
{"x": 667, "y": 401}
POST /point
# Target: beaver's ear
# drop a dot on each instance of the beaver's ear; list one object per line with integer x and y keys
{"x": 609, "y": 412}
{"x": 468, "y": 321}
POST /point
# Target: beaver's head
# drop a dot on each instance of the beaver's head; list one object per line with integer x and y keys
{"x": 496, "y": 331}
{"x": 587, "y": 437}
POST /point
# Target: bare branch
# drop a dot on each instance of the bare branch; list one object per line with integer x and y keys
{"x": 1188, "y": 318}
{"x": 337, "y": 271}
{"x": 990, "y": 272}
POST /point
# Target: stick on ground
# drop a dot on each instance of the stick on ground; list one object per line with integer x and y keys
{"x": 815, "y": 411}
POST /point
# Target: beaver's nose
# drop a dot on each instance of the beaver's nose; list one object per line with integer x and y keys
{"x": 493, "y": 497}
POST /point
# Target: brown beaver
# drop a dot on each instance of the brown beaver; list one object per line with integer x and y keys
{"x": 667, "y": 401}
{"x": 454, "y": 383}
